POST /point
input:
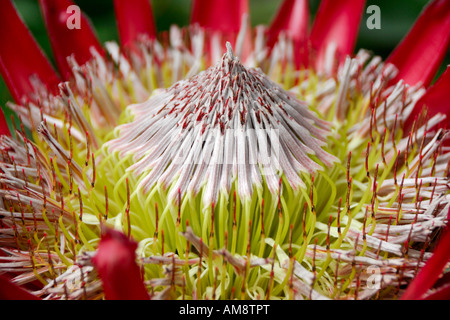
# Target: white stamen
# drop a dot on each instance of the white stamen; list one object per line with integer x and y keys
{"x": 226, "y": 123}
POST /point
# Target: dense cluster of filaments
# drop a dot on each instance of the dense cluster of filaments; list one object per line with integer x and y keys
{"x": 226, "y": 123}
{"x": 232, "y": 186}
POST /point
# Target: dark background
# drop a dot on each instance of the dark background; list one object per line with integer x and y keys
{"x": 397, "y": 17}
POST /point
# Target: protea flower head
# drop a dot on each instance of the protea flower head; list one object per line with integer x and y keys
{"x": 221, "y": 161}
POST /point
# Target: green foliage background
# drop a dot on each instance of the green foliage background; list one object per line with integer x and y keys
{"x": 397, "y": 17}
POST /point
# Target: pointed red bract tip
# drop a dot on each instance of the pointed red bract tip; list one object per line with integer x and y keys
{"x": 134, "y": 19}
{"x": 219, "y": 15}
{"x": 432, "y": 270}
{"x": 293, "y": 19}
{"x": 336, "y": 22}
{"x": 115, "y": 262}
{"x": 421, "y": 52}
{"x": 435, "y": 100}
{"x": 70, "y": 32}
{"x": 21, "y": 59}
{"x": 4, "y": 130}
{"x": 10, "y": 291}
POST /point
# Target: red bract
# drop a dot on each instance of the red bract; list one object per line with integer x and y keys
{"x": 219, "y": 15}
{"x": 139, "y": 12}
{"x": 292, "y": 19}
{"x": 4, "y": 130}
{"x": 70, "y": 33}
{"x": 17, "y": 41}
{"x": 222, "y": 21}
{"x": 440, "y": 294}
{"x": 421, "y": 52}
{"x": 115, "y": 262}
{"x": 431, "y": 271}
{"x": 336, "y": 22}
{"x": 10, "y": 291}
{"x": 435, "y": 100}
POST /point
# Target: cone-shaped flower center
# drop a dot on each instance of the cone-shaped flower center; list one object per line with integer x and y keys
{"x": 226, "y": 123}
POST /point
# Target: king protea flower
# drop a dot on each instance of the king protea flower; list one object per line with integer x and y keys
{"x": 220, "y": 161}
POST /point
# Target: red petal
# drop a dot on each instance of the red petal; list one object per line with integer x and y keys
{"x": 20, "y": 56}
{"x": 431, "y": 271}
{"x": 338, "y": 22}
{"x": 134, "y": 18}
{"x": 115, "y": 262}
{"x": 4, "y": 130}
{"x": 442, "y": 293}
{"x": 70, "y": 33}
{"x": 436, "y": 100}
{"x": 222, "y": 20}
{"x": 219, "y": 15}
{"x": 292, "y": 18}
{"x": 10, "y": 291}
{"x": 420, "y": 54}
